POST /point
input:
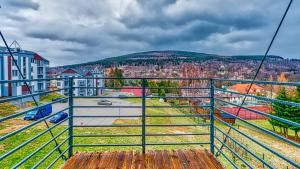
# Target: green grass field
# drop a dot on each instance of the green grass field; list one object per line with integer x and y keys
{"x": 18, "y": 139}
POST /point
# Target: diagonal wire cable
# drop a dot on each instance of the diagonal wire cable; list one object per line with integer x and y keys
{"x": 257, "y": 72}
{"x": 30, "y": 92}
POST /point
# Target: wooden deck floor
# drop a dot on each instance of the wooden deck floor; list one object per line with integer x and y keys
{"x": 179, "y": 159}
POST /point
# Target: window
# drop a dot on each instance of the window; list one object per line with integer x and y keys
{"x": 58, "y": 84}
{"x": 14, "y": 73}
{"x": 13, "y": 62}
{"x": 32, "y": 60}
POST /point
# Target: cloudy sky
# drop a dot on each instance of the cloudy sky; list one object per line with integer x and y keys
{"x": 75, "y": 31}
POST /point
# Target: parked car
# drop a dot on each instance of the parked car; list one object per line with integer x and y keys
{"x": 59, "y": 117}
{"x": 39, "y": 113}
{"x": 63, "y": 100}
{"x": 104, "y": 102}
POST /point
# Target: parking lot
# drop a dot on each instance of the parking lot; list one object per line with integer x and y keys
{"x": 113, "y": 111}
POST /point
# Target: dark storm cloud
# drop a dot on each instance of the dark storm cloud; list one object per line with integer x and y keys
{"x": 97, "y": 29}
{"x": 193, "y": 31}
{"x": 153, "y": 15}
{"x": 24, "y": 4}
{"x": 61, "y": 36}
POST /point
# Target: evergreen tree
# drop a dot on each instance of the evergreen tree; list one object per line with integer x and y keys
{"x": 280, "y": 110}
{"x": 295, "y": 112}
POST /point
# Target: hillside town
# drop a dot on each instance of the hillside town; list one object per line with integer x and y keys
{"x": 89, "y": 80}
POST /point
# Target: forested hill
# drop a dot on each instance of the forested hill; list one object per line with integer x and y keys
{"x": 162, "y": 57}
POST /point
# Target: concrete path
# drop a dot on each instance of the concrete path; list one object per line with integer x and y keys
{"x": 100, "y": 111}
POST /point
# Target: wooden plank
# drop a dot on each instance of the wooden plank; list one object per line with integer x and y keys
{"x": 159, "y": 160}
{"x": 128, "y": 160}
{"x": 121, "y": 159}
{"x": 194, "y": 160}
{"x": 175, "y": 160}
{"x": 167, "y": 161}
{"x": 71, "y": 161}
{"x": 180, "y": 159}
{"x": 214, "y": 160}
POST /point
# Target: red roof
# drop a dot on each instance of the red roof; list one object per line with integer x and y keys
{"x": 88, "y": 74}
{"x": 243, "y": 88}
{"x": 70, "y": 71}
{"x": 38, "y": 57}
{"x": 135, "y": 90}
{"x": 249, "y": 115}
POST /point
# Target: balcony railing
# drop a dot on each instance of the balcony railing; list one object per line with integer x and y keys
{"x": 197, "y": 114}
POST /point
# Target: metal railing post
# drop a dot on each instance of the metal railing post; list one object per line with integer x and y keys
{"x": 143, "y": 116}
{"x": 212, "y": 129}
{"x": 71, "y": 116}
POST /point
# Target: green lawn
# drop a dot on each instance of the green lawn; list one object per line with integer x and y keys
{"x": 12, "y": 142}
{"x": 18, "y": 139}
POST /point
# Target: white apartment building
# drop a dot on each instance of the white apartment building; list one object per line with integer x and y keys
{"x": 32, "y": 66}
{"x": 93, "y": 86}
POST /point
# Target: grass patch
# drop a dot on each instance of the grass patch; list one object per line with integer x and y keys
{"x": 49, "y": 97}
{"x": 7, "y": 109}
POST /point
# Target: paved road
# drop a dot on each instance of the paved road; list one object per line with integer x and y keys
{"x": 100, "y": 111}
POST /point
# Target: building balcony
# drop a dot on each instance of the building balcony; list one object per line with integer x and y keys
{"x": 146, "y": 130}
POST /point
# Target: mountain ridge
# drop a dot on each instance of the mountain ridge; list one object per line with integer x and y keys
{"x": 167, "y": 55}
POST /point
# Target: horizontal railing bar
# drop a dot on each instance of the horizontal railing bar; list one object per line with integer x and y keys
{"x": 105, "y": 145}
{"x": 139, "y": 97}
{"x": 39, "y": 149}
{"x": 185, "y": 115}
{"x": 137, "y": 87}
{"x": 32, "y": 109}
{"x": 50, "y": 153}
{"x": 116, "y": 116}
{"x": 28, "y": 95}
{"x": 137, "y": 135}
{"x": 232, "y": 151}
{"x": 259, "y": 82}
{"x": 30, "y": 80}
{"x": 245, "y": 148}
{"x": 54, "y": 161}
{"x": 107, "y": 97}
{"x": 107, "y": 135}
{"x": 137, "y": 125}
{"x": 30, "y": 140}
{"x": 261, "y": 98}
{"x": 230, "y": 161}
{"x": 179, "y": 97}
{"x": 124, "y": 125}
{"x": 146, "y": 78}
{"x": 181, "y": 143}
{"x": 264, "y": 130}
{"x": 261, "y": 144}
{"x": 178, "y": 134}
{"x": 105, "y": 116}
{"x": 105, "y": 106}
{"x": 141, "y": 106}
{"x": 263, "y": 113}
{"x": 28, "y": 126}
{"x": 171, "y": 125}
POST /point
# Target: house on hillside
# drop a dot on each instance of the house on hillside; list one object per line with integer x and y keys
{"x": 243, "y": 88}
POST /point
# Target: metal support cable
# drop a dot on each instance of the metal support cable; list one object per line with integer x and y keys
{"x": 30, "y": 92}
{"x": 257, "y": 71}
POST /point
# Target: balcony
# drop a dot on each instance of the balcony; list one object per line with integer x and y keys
{"x": 188, "y": 125}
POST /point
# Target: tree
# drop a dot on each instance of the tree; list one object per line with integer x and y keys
{"x": 295, "y": 112}
{"x": 280, "y": 110}
{"x": 161, "y": 92}
{"x": 115, "y": 73}
{"x": 291, "y": 113}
